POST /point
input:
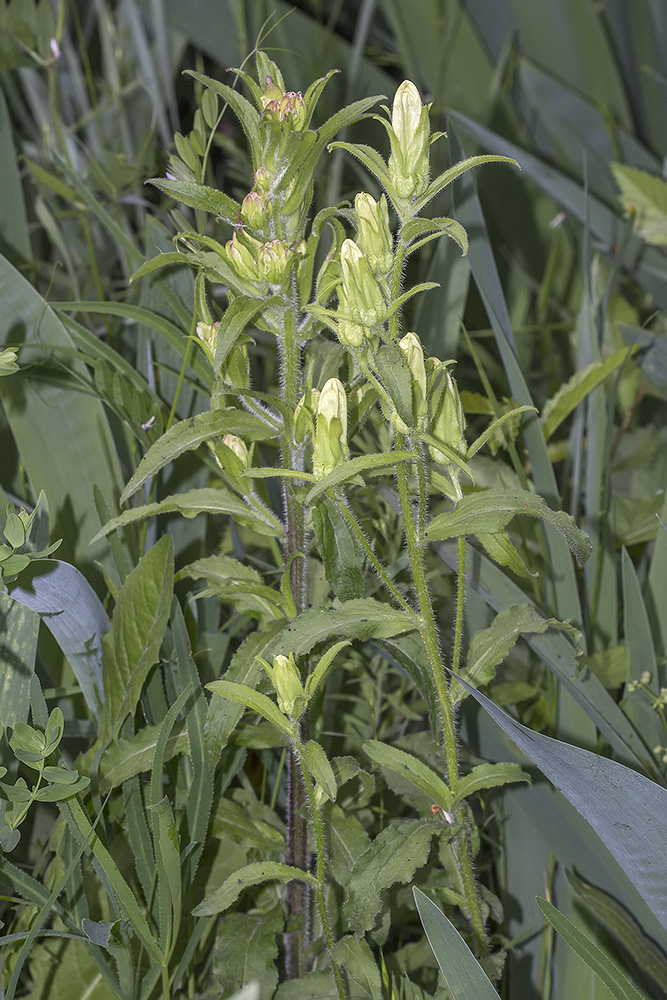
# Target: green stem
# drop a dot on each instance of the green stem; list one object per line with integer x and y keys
{"x": 429, "y": 633}
{"x": 372, "y": 558}
{"x": 320, "y": 871}
{"x": 460, "y": 594}
{"x": 395, "y": 281}
{"x": 298, "y": 894}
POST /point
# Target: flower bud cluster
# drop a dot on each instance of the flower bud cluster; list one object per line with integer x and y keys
{"x": 286, "y": 679}
{"x": 259, "y": 263}
{"x": 287, "y": 107}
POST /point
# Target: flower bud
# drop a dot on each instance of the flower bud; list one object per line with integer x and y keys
{"x": 237, "y": 446}
{"x": 272, "y": 93}
{"x": 208, "y": 334}
{"x": 233, "y": 458}
{"x": 304, "y": 415}
{"x": 288, "y": 687}
{"x": 374, "y": 234}
{"x": 242, "y": 260}
{"x": 349, "y": 332}
{"x": 360, "y": 290}
{"x": 408, "y": 163}
{"x": 273, "y": 259}
{"x": 414, "y": 356}
{"x": 447, "y": 419}
{"x": 255, "y": 210}
{"x": 330, "y": 446}
{"x": 262, "y": 179}
{"x": 293, "y": 109}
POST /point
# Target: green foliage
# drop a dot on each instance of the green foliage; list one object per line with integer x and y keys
{"x": 225, "y": 725}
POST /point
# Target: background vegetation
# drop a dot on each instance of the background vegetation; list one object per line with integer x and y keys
{"x": 558, "y": 304}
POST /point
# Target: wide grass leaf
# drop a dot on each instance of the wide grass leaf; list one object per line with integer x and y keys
{"x": 465, "y": 978}
{"x": 73, "y": 613}
{"x": 588, "y": 951}
{"x": 626, "y": 810}
{"x": 18, "y": 650}
{"x": 132, "y": 646}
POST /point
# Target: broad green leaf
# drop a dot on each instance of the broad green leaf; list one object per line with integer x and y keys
{"x": 355, "y": 466}
{"x": 594, "y": 957}
{"x": 236, "y": 317}
{"x": 189, "y": 434}
{"x": 489, "y": 647}
{"x": 491, "y": 510}
{"x": 465, "y": 977}
{"x": 201, "y": 197}
{"x": 244, "y": 878}
{"x": 18, "y": 650}
{"x": 254, "y": 700}
{"x": 239, "y": 585}
{"x": 627, "y": 811}
{"x": 411, "y": 769}
{"x": 320, "y": 769}
{"x": 242, "y": 108}
{"x": 73, "y": 613}
{"x": 485, "y": 776}
{"x": 132, "y": 646}
{"x": 503, "y": 552}
{"x": 347, "y": 841}
{"x": 246, "y": 951}
{"x": 60, "y": 792}
{"x": 127, "y": 757}
{"x": 644, "y": 198}
{"x": 339, "y": 549}
{"x": 396, "y": 377}
{"x": 393, "y": 857}
{"x": 568, "y": 397}
{"x": 357, "y": 959}
{"x": 360, "y": 619}
{"x": 199, "y": 501}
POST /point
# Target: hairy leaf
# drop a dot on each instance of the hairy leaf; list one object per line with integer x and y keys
{"x": 244, "y": 878}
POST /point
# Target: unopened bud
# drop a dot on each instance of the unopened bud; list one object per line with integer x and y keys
{"x": 408, "y": 163}
{"x": 304, "y": 415}
{"x": 272, "y": 93}
{"x": 293, "y": 109}
{"x": 374, "y": 234}
{"x": 360, "y": 290}
{"x": 262, "y": 179}
{"x": 288, "y": 687}
{"x": 255, "y": 210}
{"x": 273, "y": 259}
{"x": 238, "y": 447}
{"x": 208, "y": 334}
{"x": 242, "y": 260}
{"x": 330, "y": 448}
{"x": 414, "y": 356}
{"x": 233, "y": 458}
{"x": 447, "y": 419}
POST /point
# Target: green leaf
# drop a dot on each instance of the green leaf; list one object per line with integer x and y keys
{"x": 132, "y": 646}
{"x": 370, "y": 158}
{"x": 199, "y": 196}
{"x": 60, "y": 792}
{"x": 200, "y": 501}
{"x": 324, "y": 664}
{"x": 246, "y": 951}
{"x": 238, "y": 584}
{"x": 485, "y": 776}
{"x": 320, "y": 769}
{"x": 127, "y": 757}
{"x": 243, "y": 109}
{"x": 393, "y": 857}
{"x": 189, "y": 434}
{"x": 396, "y": 377}
{"x": 436, "y": 227}
{"x": 244, "y": 878}
{"x": 237, "y": 316}
{"x": 355, "y": 466}
{"x": 644, "y": 198}
{"x": 254, "y": 700}
{"x": 491, "y": 510}
{"x": 357, "y": 959}
{"x": 340, "y": 551}
{"x": 18, "y": 651}
{"x": 75, "y": 616}
{"x": 627, "y": 811}
{"x": 503, "y": 552}
{"x": 489, "y": 647}
{"x": 494, "y": 426}
{"x": 453, "y": 173}
{"x": 568, "y": 397}
{"x": 411, "y": 769}
{"x": 360, "y": 619}
{"x": 348, "y": 840}
{"x": 603, "y": 967}
{"x": 465, "y": 977}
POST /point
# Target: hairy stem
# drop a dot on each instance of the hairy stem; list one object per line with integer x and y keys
{"x": 297, "y": 853}
{"x": 429, "y": 633}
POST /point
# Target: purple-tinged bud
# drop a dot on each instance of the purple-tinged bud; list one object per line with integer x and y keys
{"x": 273, "y": 259}
{"x": 255, "y": 210}
{"x": 262, "y": 179}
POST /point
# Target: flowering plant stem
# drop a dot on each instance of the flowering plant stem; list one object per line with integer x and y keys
{"x": 429, "y": 632}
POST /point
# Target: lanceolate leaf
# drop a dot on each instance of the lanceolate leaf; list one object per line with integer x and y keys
{"x": 485, "y": 776}
{"x": 626, "y": 810}
{"x": 490, "y": 510}
{"x": 594, "y": 957}
{"x": 189, "y": 434}
{"x": 125, "y": 758}
{"x": 355, "y": 466}
{"x": 411, "y": 769}
{"x": 255, "y": 874}
{"x": 393, "y": 857}
{"x": 198, "y": 196}
{"x": 465, "y": 978}
{"x": 200, "y": 501}
{"x": 450, "y": 175}
{"x": 132, "y": 646}
{"x": 237, "y": 316}
{"x": 254, "y": 700}
{"x": 359, "y": 619}
{"x": 243, "y": 109}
